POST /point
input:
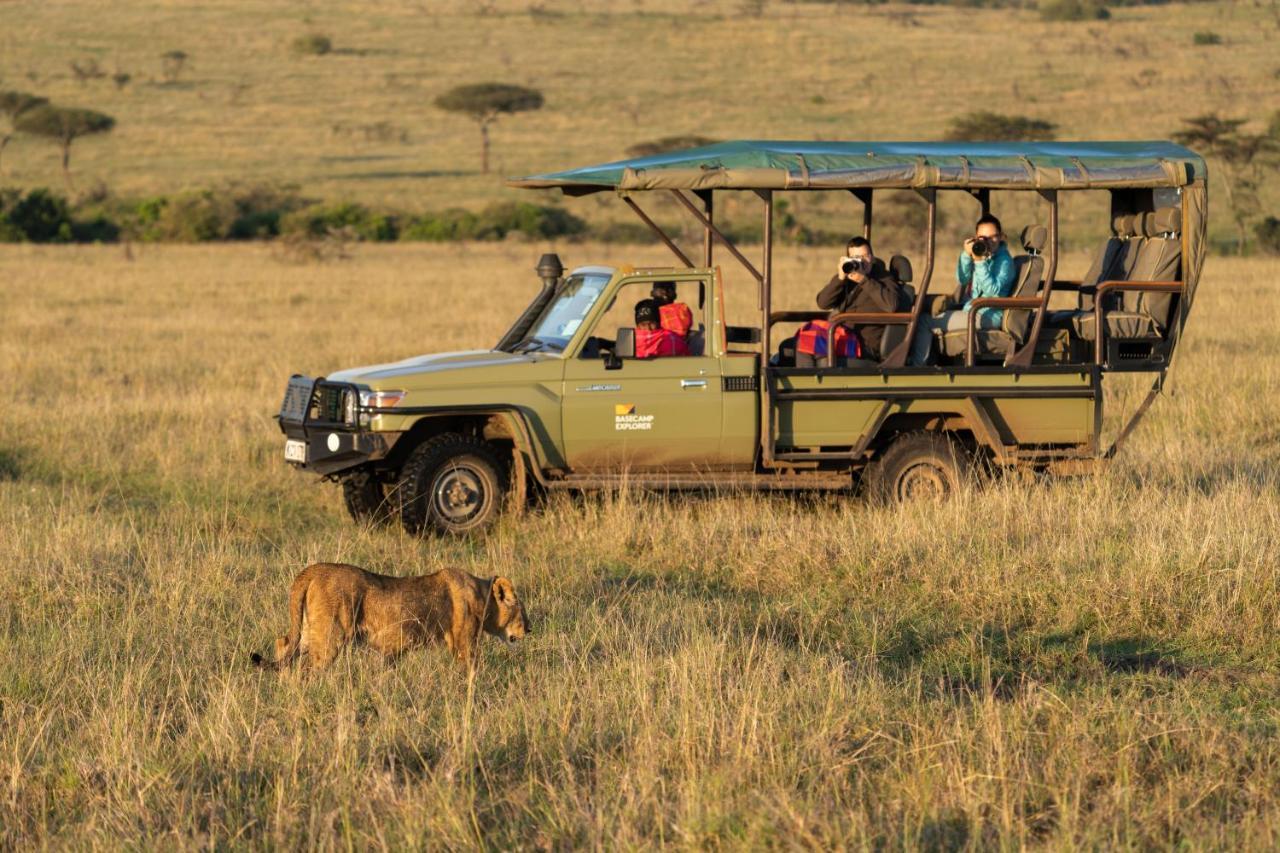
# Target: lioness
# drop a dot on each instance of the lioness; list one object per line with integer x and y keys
{"x": 330, "y": 604}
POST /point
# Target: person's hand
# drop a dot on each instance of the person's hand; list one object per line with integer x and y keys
{"x": 968, "y": 248}
{"x": 856, "y": 277}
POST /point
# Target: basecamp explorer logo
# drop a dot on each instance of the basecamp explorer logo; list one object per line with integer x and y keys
{"x": 625, "y": 418}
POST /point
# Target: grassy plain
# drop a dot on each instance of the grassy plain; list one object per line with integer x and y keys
{"x": 359, "y": 123}
{"x": 1067, "y": 663}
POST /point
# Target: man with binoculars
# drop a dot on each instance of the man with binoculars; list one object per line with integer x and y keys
{"x": 985, "y": 269}
{"x": 862, "y": 284}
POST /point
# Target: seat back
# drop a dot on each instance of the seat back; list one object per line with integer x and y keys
{"x": 1158, "y": 259}
{"x": 696, "y": 341}
{"x": 1029, "y": 269}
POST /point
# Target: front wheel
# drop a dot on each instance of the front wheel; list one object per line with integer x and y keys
{"x": 365, "y": 499}
{"x": 451, "y": 484}
{"x": 919, "y": 466}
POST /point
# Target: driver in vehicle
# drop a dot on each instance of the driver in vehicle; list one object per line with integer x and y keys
{"x": 985, "y": 269}
{"x": 861, "y": 284}
{"x": 673, "y": 316}
{"x": 653, "y": 341}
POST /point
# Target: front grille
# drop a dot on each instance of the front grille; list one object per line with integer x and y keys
{"x": 297, "y": 399}
{"x": 740, "y": 383}
{"x": 330, "y": 403}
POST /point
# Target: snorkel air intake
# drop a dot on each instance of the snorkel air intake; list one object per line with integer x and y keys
{"x": 550, "y": 270}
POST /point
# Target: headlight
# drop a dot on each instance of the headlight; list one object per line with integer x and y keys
{"x": 381, "y": 399}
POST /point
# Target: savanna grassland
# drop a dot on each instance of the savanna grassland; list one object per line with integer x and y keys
{"x": 1087, "y": 662}
{"x": 359, "y": 122}
{"x": 1063, "y": 663}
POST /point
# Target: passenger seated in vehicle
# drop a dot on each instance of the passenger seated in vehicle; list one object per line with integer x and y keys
{"x": 653, "y": 341}
{"x": 985, "y": 269}
{"x": 861, "y": 284}
{"x": 673, "y": 316}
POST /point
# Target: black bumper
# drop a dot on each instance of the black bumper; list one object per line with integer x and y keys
{"x": 324, "y": 416}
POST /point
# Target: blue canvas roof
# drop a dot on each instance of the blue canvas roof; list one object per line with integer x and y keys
{"x": 758, "y": 164}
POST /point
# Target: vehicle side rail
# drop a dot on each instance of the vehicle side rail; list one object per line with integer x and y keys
{"x": 1099, "y": 309}
{"x": 991, "y": 302}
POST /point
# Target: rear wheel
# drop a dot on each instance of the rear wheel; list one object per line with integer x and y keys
{"x": 919, "y": 466}
{"x": 451, "y": 484}
{"x": 366, "y": 499}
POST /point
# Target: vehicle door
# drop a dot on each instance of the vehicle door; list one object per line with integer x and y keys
{"x": 644, "y": 414}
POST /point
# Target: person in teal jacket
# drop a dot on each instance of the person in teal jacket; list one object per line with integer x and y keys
{"x": 985, "y": 269}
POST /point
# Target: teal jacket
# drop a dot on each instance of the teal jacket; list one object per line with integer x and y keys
{"x": 994, "y": 277}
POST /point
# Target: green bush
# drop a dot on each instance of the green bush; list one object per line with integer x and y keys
{"x": 984, "y": 126}
{"x": 1073, "y": 10}
{"x": 37, "y": 217}
{"x": 313, "y": 44}
{"x": 494, "y": 223}
{"x": 1268, "y": 233}
{"x": 1205, "y": 39}
{"x": 319, "y": 220}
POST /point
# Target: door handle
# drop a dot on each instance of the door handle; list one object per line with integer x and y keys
{"x": 693, "y": 383}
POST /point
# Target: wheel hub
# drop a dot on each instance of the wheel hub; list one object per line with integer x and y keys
{"x": 459, "y": 494}
{"x": 923, "y": 482}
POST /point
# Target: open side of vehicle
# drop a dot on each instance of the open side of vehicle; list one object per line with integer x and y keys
{"x": 562, "y": 400}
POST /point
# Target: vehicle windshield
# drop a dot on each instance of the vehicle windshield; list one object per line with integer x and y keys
{"x": 561, "y": 318}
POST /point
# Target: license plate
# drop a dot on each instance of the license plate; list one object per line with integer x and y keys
{"x": 295, "y": 451}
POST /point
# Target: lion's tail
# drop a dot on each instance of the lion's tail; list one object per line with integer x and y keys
{"x": 287, "y": 647}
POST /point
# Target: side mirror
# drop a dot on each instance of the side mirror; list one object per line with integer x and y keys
{"x": 625, "y": 347}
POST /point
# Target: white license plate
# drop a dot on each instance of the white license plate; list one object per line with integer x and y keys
{"x": 295, "y": 451}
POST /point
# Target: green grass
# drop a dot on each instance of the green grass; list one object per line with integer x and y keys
{"x": 1087, "y": 662}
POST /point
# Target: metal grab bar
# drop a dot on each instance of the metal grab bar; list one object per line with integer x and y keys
{"x": 1099, "y": 311}
{"x": 991, "y": 302}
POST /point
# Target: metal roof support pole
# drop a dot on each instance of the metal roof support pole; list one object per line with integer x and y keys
{"x": 662, "y": 235}
{"x": 898, "y": 357}
{"x": 766, "y": 337}
{"x": 1022, "y": 357}
{"x": 728, "y": 244}
{"x": 864, "y": 195}
{"x": 708, "y": 239}
{"x": 984, "y": 198}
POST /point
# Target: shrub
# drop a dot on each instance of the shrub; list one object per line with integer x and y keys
{"x": 1268, "y": 233}
{"x": 668, "y": 143}
{"x": 494, "y": 223}
{"x": 314, "y": 44}
{"x": 1205, "y": 39}
{"x": 38, "y": 217}
{"x": 1073, "y": 10}
{"x": 452, "y": 224}
{"x": 319, "y": 220}
{"x": 984, "y": 126}
{"x": 634, "y": 233}
{"x": 194, "y": 217}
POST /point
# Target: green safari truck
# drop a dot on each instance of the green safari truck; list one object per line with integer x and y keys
{"x": 445, "y": 442}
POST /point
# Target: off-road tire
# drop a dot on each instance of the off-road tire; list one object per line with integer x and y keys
{"x": 918, "y": 466}
{"x": 365, "y": 498}
{"x": 451, "y": 484}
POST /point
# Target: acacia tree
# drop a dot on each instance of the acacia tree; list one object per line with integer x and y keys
{"x": 12, "y": 105}
{"x": 1245, "y": 159}
{"x": 484, "y": 103}
{"x": 63, "y": 125}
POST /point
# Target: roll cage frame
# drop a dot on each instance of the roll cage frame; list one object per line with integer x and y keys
{"x": 894, "y": 362}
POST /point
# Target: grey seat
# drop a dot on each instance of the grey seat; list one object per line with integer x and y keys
{"x": 1155, "y": 255}
{"x": 1015, "y": 323}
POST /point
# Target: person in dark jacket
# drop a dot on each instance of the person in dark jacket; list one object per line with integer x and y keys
{"x": 862, "y": 284}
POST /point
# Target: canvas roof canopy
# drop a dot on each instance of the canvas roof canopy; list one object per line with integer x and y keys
{"x": 772, "y": 165}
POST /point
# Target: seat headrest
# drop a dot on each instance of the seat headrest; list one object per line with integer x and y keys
{"x": 1167, "y": 220}
{"x": 901, "y": 268}
{"x": 1132, "y": 225}
{"x": 1034, "y": 238}
{"x": 1117, "y": 225}
{"x": 1148, "y": 224}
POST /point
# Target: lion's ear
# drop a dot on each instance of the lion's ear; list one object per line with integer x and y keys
{"x": 502, "y": 590}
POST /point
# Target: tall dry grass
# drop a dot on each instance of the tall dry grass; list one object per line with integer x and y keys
{"x": 1088, "y": 662}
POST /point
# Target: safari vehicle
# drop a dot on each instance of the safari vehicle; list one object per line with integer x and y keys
{"x": 445, "y": 441}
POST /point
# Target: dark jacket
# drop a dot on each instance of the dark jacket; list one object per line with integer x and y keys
{"x": 880, "y": 292}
